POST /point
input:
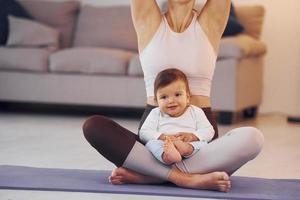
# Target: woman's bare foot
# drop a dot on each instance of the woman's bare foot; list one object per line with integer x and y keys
{"x": 123, "y": 175}
{"x": 212, "y": 181}
{"x": 170, "y": 155}
{"x": 184, "y": 148}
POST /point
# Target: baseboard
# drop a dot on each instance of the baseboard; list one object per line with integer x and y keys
{"x": 69, "y": 109}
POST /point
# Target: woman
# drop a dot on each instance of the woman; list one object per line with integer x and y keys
{"x": 184, "y": 39}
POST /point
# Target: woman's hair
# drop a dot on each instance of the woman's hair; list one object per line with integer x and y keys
{"x": 167, "y": 77}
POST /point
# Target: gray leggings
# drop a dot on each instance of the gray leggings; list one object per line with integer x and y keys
{"x": 227, "y": 153}
{"x": 123, "y": 148}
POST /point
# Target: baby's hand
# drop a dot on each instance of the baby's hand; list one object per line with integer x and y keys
{"x": 165, "y": 137}
{"x": 186, "y": 137}
{"x": 172, "y": 138}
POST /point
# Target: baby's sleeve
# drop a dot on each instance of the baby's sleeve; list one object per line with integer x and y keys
{"x": 204, "y": 129}
{"x": 149, "y": 129}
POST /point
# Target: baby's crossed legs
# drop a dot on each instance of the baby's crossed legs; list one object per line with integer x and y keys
{"x": 175, "y": 149}
{"x": 171, "y": 150}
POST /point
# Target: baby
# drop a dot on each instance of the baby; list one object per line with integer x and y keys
{"x": 175, "y": 129}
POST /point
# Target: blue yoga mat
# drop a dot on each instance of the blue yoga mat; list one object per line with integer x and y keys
{"x": 94, "y": 181}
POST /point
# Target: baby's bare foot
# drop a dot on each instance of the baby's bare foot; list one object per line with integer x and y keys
{"x": 123, "y": 175}
{"x": 212, "y": 181}
{"x": 170, "y": 155}
{"x": 184, "y": 148}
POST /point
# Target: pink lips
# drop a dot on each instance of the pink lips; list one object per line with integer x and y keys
{"x": 172, "y": 107}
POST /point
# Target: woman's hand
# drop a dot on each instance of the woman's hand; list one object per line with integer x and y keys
{"x": 186, "y": 137}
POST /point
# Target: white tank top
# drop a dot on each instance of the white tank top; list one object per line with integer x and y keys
{"x": 189, "y": 51}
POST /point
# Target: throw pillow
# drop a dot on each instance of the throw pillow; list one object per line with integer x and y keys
{"x": 233, "y": 26}
{"x": 60, "y": 14}
{"x": 28, "y": 33}
{"x": 9, "y": 7}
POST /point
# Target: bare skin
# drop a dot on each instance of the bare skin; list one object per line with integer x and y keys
{"x": 171, "y": 154}
{"x": 123, "y": 175}
{"x": 184, "y": 148}
{"x": 174, "y": 149}
{"x": 212, "y": 181}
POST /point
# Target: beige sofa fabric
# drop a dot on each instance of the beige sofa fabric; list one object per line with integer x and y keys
{"x": 240, "y": 46}
{"x": 237, "y": 84}
{"x": 58, "y": 14}
{"x": 105, "y": 27}
{"x": 252, "y": 18}
{"x": 135, "y": 68}
{"x": 22, "y": 59}
{"x": 90, "y": 61}
{"x": 29, "y": 33}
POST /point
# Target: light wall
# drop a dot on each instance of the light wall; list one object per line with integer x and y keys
{"x": 281, "y": 33}
{"x": 282, "y": 64}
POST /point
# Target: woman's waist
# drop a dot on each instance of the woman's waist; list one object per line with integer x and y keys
{"x": 196, "y": 100}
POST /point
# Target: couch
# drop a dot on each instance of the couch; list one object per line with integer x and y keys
{"x": 74, "y": 54}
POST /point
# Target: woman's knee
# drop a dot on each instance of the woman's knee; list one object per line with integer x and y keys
{"x": 254, "y": 140}
{"x": 256, "y": 136}
{"x": 93, "y": 126}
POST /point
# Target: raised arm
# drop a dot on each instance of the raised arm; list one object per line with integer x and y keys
{"x": 213, "y": 19}
{"x": 146, "y": 19}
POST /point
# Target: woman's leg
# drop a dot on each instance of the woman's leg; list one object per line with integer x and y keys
{"x": 227, "y": 153}
{"x": 110, "y": 139}
{"x": 121, "y": 147}
{"x": 212, "y": 119}
{"x": 142, "y": 167}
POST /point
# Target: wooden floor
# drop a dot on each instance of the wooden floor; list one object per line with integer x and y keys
{"x": 56, "y": 141}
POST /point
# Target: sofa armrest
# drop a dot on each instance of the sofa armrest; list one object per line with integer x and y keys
{"x": 241, "y": 45}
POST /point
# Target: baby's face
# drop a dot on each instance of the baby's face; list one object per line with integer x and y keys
{"x": 173, "y": 98}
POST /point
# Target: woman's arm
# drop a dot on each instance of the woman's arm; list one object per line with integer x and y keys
{"x": 146, "y": 19}
{"x": 213, "y": 19}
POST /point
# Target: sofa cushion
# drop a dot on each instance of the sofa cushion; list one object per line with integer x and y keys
{"x": 10, "y": 7}
{"x": 90, "y": 61}
{"x": 233, "y": 26}
{"x": 28, "y": 33}
{"x": 135, "y": 67}
{"x": 105, "y": 26}
{"x": 61, "y": 15}
{"x": 252, "y": 18}
{"x": 27, "y": 59}
{"x": 240, "y": 46}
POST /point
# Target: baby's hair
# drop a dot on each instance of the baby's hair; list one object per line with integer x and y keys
{"x": 167, "y": 77}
